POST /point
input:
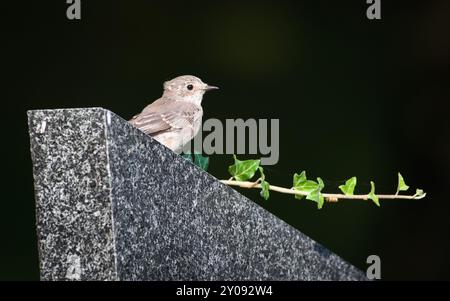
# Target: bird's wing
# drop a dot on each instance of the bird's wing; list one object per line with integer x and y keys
{"x": 163, "y": 115}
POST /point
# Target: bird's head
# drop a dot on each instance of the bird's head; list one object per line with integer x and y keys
{"x": 186, "y": 88}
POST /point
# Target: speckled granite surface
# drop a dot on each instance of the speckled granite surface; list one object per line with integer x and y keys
{"x": 113, "y": 204}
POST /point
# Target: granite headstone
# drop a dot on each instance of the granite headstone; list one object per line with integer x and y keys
{"x": 114, "y": 204}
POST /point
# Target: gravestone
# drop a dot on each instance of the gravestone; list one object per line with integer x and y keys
{"x": 114, "y": 204}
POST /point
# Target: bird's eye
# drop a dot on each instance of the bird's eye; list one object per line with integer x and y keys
{"x": 190, "y": 87}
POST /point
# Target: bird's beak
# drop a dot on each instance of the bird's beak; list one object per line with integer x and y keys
{"x": 208, "y": 88}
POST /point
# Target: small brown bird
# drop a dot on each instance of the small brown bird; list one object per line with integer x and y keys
{"x": 176, "y": 117}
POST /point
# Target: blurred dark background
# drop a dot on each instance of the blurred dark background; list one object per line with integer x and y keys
{"x": 354, "y": 97}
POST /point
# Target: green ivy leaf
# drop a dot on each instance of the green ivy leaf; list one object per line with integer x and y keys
{"x": 349, "y": 186}
{"x": 264, "y": 184}
{"x": 419, "y": 193}
{"x": 372, "y": 195}
{"x": 401, "y": 184}
{"x": 316, "y": 194}
{"x": 299, "y": 196}
{"x": 232, "y": 169}
{"x": 308, "y": 186}
{"x": 300, "y": 182}
{"x": 243, "y": 170}
{"x": 265, "y": 190}
{"x": 299, "y": 178}
{"x": 201, "y": 161}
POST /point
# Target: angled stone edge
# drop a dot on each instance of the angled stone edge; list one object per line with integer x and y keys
{"x": 114, "y": 204}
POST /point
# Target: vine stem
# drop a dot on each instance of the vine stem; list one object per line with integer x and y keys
{"x": 329, "y": 197}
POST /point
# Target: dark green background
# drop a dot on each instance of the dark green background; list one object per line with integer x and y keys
{"x": 354, "y": 98}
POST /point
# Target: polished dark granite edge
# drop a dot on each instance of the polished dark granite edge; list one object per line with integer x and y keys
{"x": 164, "y": 219}
{"x": 72, "y": 192}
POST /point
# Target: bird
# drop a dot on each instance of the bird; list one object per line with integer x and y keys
{"x": 175, "y": 118}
